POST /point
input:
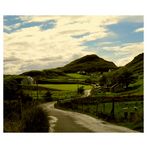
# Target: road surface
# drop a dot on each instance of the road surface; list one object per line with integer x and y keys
{"x": 67, "y": 121}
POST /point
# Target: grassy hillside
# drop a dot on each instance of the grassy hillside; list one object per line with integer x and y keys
{"x": 130, "y": 76}
{"x": 136, "y": 65}
{"x": 89, "y": 63}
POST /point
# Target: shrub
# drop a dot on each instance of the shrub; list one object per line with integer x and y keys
{"x": 11, "y": 109}
{"x": 26, "y": 98}
{"x": 47, "y": 96}
{"x": 81, "y": 90}
{"x": 88, "y": 80}
{"x": 35, "y": 120}
{"x": 10, "y": 88}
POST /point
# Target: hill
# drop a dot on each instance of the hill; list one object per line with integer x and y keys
{"x": 48, "y": 73}
{"x": 89, "y": 63}
{"x": 136, "y": 65}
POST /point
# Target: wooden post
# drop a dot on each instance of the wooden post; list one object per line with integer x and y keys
{"x": 113, "y": 110}
{"x": 103, "y": 107}
{"x": 20, "y": 101}
{"x": 97, "y": 109}
{"x": 37, "y": 90}
{"x": 82, "y": 106}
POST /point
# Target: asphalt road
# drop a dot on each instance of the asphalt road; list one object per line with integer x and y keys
{"x": 67, "y": 121}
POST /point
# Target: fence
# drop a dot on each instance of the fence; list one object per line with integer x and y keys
{"x": 118, "y": 107}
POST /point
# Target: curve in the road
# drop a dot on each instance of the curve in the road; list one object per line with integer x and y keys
{"x": 67, "y": 121}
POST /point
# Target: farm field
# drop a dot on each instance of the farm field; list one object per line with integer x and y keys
{"x": 69, "y": 87}
{"x": 56, "y": 95}
{"x": 77, "y": 76}
{"x": 58, "y": 91}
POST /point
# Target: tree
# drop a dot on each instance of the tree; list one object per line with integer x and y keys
{"x": 88, "y": 80}
{"x": 125, "y": 77}
{"x": 81, "y": 90}
{"x": 119, "y": 78}
{"x": 47, "y": 96}
{"x": 103, "y": 80}
{"x": 11, "y": 88}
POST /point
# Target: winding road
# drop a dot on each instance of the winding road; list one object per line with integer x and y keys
{"x": 67, "y": 121}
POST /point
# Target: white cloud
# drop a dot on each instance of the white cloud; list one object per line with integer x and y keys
{"x": 124, "y": 53}
{"x": 32, "y": 44}
{"x": 57, "y": 44}
{"x": 133, "y": 18}
{"x": 139, "y": 30}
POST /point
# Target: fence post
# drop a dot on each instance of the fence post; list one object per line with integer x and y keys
{"x": 37, "y": 90}
{"x": 104, "y": 107}
{"x": 97, "y": 109}
{"x": 113, "y": 109}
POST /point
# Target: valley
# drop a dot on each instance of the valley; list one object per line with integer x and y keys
{"x": 115, "y": 93}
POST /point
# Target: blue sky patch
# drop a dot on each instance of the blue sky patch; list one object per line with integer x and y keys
{"x": 12, "y": 21}
{"x": 124, "y": 33}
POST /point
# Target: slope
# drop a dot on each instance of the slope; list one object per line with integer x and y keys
{"x": 89, "y": 63}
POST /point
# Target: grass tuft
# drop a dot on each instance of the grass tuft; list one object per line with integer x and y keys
{"x": 35, "y": 120}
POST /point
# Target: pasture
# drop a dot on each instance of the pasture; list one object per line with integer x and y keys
{"x": 65, "y": 87}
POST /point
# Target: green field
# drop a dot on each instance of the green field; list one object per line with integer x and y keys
{"x": 58, "y": 91}
{"x": 69, "y": 87}
{"x": 77, "y": 76}
{"x": 56, "y": 95}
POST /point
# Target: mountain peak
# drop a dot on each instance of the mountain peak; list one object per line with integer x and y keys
{"x": 89, "y": 63}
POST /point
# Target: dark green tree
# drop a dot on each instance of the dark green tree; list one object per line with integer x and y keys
{"x": 48, "y": 96}
{"x": 125, "y": 77}
{"x": 11, "y": 88}
{"x": 81, "y": 90}
{"x": 103, "y": 80}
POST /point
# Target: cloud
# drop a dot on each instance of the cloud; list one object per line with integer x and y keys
{"x": 124, "y": 53}
{"x": 133, "y": 18}
{"x": 47, "y": 48}
{"x": 32, "y": 44}
{"x": 11, "y": 59}
{"x": 139, "y": 30}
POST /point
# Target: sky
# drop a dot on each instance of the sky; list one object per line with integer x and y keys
{"x": 43, "y": 42}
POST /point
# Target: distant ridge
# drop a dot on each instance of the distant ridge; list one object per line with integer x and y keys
{"x": 88, "y": 63}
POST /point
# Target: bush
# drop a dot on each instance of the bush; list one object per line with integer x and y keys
{"x": 10, "y": 88}
{"x": 81, "y": 90}
{"x": 35, "y": 120}
{"x": 47, "y": 96}
{"x": 12, "y": 109}
{"x": 26, "y": 98}
{"x": 88, "y": 80}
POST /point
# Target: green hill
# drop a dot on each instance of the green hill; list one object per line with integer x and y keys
{"x": 136, "y": 65}
{"x": 89, "y": 63}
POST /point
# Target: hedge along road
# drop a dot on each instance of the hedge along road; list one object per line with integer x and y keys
{"x": 67, "y": 121}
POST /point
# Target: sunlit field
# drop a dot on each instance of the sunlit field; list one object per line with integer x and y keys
{"x": 70, "y": 87}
